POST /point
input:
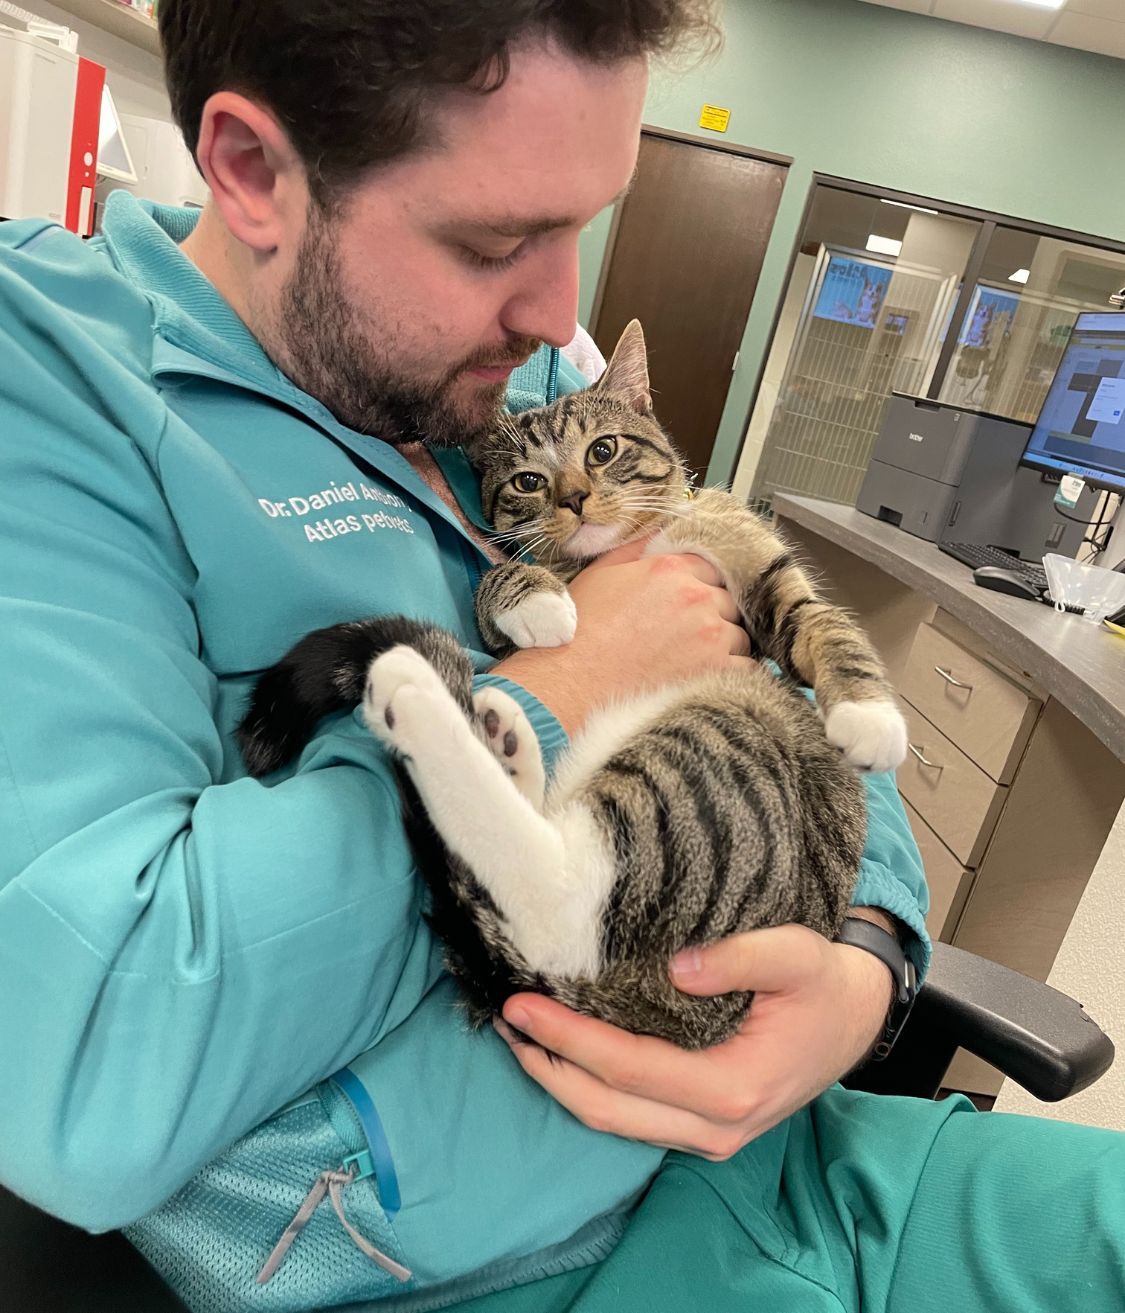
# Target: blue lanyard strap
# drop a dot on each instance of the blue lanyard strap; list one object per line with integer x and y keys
{"x": 356, "y": 1093}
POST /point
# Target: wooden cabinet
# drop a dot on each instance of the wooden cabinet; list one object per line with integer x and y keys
{"x": 969, "y": 725}
{"x": 1009, "y": 799}
{"x": 1022, "y": 790}
{"x": 958, "y": 801}
{"x": 985, "y": 713}
{"x": 948, "y": 880}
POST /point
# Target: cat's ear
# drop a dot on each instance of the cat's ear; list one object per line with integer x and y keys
{"x": 626, "y": 375}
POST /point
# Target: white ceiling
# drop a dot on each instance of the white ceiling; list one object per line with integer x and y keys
{"x": 1097, "y": 25}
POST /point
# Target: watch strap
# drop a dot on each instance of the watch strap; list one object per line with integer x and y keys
{"x": 860, "y": 933}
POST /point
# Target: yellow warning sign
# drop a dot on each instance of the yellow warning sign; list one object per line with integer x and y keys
{"x": 714, "y": 118}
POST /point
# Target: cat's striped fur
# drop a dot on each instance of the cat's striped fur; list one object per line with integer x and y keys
{"x": 641, "y": 489}
{"x": 685, "y": 815}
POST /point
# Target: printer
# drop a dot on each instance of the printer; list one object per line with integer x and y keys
{"x": 948, "y": 474}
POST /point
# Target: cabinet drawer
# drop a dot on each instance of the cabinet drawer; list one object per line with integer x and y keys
{"x": 980, "y": 710}
{"x": 948, "y": 881}
{"x": 955, "y": 798}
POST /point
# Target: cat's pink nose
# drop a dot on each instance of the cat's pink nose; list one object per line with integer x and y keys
{"x": 573, "y": 501}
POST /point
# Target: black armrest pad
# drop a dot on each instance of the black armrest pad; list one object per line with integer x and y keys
{"x": 1039, "y": 1037}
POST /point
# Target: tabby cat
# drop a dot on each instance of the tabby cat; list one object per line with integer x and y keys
{"x": 689, "y": 813}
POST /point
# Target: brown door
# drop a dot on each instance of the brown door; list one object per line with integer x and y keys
{"x": 690, "y": 242}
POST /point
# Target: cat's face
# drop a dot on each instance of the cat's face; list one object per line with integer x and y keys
{"x": 576, "y": 478}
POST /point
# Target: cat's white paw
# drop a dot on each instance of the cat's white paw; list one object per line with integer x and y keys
{"x": 403, "y": 692}
{"x": 509, "y": 737}
{"x": 541, "y": 620}
{"x": 871, "y": 735}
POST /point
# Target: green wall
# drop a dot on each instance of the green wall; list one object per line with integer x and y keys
{"x": 909, "y": 103}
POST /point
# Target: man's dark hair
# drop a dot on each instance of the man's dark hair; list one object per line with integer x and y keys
{"x": 353, "y": 81}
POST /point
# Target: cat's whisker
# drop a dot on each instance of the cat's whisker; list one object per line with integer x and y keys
{"x": 527, "y": 552}
{"x": 528, "y": 533}
{"x": 514, "y": 535}
{"x": 532, "y": 545}
{"x": 652, "y": 513}
{"x": 521, "y": 538}
{"x": 501, "y": 452}
{"x": 672, "y": 510}
{"x": 511, "y": 432}
{"x": 642, "y": 510}
{"x": 530, "y": 525}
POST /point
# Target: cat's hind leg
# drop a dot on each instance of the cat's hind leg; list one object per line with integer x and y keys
{"x": 511, "y": 740}
{"x": 549, "y": 881}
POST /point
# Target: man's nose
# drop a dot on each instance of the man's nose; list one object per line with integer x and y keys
{"x": 546, "y": 307}
{"x": 573, "y": 501}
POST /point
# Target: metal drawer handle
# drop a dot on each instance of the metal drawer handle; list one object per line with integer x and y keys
{"x": 933, "y": 765}
{"x": 950, "y": 680}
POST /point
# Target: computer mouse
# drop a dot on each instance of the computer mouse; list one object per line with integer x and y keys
{"x": 1001, "y": 580}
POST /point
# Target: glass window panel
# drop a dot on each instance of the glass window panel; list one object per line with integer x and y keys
{"x": 1030, "y": 292}
{"x": 865, "y": 313}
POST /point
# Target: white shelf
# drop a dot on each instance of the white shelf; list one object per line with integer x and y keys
{"x": 115, "y": 19}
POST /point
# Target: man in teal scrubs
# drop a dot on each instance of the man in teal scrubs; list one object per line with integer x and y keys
{"x": 219, "y": 431}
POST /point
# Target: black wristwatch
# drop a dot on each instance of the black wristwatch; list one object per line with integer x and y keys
{"x": 874, "y": 939}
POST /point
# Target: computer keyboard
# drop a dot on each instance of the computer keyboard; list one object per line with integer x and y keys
{"x": 974, "y": 555}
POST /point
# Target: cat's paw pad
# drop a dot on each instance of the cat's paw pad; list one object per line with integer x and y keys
{"x": 509, "y": 737}
{"x": 871, "y": 735}
{"x": 399, "y": 682}
{"x": 541, "y": 620}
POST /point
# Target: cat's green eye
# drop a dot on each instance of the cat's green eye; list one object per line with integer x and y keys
{"x": 525, "y": 481}
{"x": 602, "y": 451}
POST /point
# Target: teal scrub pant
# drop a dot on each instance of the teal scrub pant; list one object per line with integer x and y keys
{"x": 863, "y": 1202}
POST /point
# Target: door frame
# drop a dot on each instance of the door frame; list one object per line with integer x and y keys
{"x": 689, "y": 139}
{"x": 959, "y": 211}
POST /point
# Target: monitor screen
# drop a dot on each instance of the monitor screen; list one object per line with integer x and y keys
{"x": 114, "y": 160}
{"x": 1081, "y": 428}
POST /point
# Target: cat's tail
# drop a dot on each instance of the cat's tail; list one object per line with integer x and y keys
{"x": 327, "y": 671}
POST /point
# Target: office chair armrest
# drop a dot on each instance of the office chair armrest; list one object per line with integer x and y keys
{"x": 1030, "y": 1032}
{"x": 1039, "y": 1037}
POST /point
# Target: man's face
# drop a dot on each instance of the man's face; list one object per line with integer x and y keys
{"x": 406, "y": 309}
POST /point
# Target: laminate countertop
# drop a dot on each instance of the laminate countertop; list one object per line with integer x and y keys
{"x": 1073, "y": 660}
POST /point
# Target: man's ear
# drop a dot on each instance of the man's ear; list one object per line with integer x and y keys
{"x": 626, "y": 374}
{"x": 255, "y": 176}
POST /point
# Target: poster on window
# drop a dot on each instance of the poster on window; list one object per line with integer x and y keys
{"x": 853, "y": 292}
{"x": 989, "y": 318}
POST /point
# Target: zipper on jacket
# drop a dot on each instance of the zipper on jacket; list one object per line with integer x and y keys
{"x": 349, "y": 1108}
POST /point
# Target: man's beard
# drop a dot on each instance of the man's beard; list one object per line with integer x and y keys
{"x": 323, "y": 349}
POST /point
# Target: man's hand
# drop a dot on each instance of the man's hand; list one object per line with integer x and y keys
{"x": 818, "y": 1009}
{"x": 642, "y": 623}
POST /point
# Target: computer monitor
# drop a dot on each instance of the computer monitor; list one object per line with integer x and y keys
{"x": 1081, "y": 428}
{"x": 114, "y": 160}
